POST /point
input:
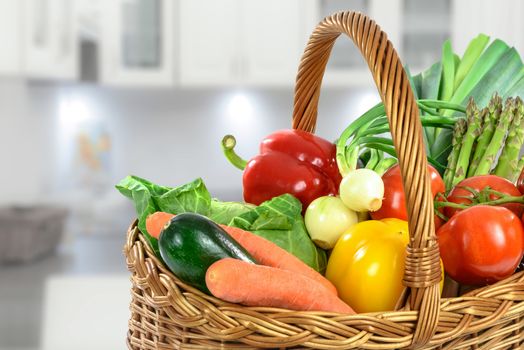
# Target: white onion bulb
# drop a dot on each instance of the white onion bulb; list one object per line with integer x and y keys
{"x": 326, "y": 219}
{"x": 362, "y": 190}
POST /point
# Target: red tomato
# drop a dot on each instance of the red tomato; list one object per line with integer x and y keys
{"x": 393, "y": 205}
{"x": 520, "y": 182}
{"x": 478, "y": 252}
{"x": 459, "y": 194}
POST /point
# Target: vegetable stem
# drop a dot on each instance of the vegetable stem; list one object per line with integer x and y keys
{"x": 373, "y": 159}
{"x": 497, "y": 141}
{"x": 472, "y": 132}
{"x": 491, "y": 116}
{"x": 508, "y": 161}
{"x": 458, "y": 134}
{"x": 500, "y": 201}
{"x": 384, "y": 165}
{"x": 228, "y": 147}
{"x": 472, "y": 53}
{"x": 448, "y": 72}
{"x": 374, "y": 122}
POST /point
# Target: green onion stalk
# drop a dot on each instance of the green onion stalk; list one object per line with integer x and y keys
{"x": 489, "y": 157}
{"x": 362, "y": 133}
{"x": 507, "y": 165}
{"x": 374, "y": 158}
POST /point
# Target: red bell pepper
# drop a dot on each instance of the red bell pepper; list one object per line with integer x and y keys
{"x": 290, "y": 161}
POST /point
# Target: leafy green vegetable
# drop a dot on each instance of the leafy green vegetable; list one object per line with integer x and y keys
{"x": 503, "y": 71}
{"x": 516, "y": 90}
{"x": 481, "y": 67}
{"x": 142, "y": 193}
{"x": 448, "y": 72}
{"x": 431, "y": 82}
{"x": 280, "y": 221}
{"x": 224, "y": 212}
{"x": 192, "y": 197}
{"x": 471, "y": 55}
{"x": 483, "y": 70}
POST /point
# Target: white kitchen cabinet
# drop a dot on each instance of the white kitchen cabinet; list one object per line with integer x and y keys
{"x": 231, "y": 42}
{"x": 137, "y": 42}
{"x": 426, "y": 26}
{"x": 50, "y": 44}
{"x": 499, "y": 19}
{"x": 273, "y": 33}
{"x": 209, "y": 37}
{"x": 346, "y": 66}
{"x": 10, "y": 38}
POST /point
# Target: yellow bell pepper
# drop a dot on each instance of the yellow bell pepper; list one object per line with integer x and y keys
{"x": 367, "y": 264}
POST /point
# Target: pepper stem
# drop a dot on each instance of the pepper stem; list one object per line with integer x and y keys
{"x": 228, "y": 147}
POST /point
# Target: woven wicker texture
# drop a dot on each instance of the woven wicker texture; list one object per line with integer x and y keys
{"x": 167, "y": 314}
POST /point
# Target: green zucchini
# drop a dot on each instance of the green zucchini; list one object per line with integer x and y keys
{"x": 190, "y": 243}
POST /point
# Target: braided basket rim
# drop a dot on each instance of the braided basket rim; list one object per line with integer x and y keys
{"x": 478, "y": 310}
{"x": 166, "y": 312}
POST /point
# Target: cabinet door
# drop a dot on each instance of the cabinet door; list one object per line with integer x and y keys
{"x": 346, "y": 65}
{"x": 10, "y": 37}
{"x": 50, "y": 50}
{"x": 273, "y": 39}
{"x": 137, "y": 42}
{"x": 426, "y": 26}
{"x": 500, "y": 19}
{"x": 209, "y": 35}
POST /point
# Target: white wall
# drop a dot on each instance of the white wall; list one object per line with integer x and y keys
{"x": 167, "y": 136}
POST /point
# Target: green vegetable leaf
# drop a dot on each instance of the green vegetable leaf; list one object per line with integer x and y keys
{"x": 516, "y": 90}
{"x": 280, "y": 221}
{"x": 192, "y": 197}
{"x": 481, "y": 67}
{"x": 448, "y": 72}
{"x": 224, "y": 212}
{"x": 431, "y": 82}
{"x": 142, "y": 193}
{"x": 471, "y": 55}
{"x": 496, "y": 80}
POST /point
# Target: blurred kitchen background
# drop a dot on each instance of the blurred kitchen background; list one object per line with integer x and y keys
{"x": 93, "y": 90}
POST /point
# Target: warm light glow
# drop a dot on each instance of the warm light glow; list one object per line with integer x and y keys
{"x": 73, "y": 111}
{"x": 366, "y": 101}
{"x": 240, "y": 107}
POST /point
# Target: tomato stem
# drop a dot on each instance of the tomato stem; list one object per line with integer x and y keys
{"x": 505, "y": 199}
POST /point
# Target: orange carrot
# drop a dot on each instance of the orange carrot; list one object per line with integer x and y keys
{"x": 156, "y": 222}
{"x": 269, "y": 254}
{"x": 237, "y": 281}
{"x": 264, "y": 251}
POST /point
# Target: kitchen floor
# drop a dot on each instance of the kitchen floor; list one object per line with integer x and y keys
{"x": 57, "y": 301}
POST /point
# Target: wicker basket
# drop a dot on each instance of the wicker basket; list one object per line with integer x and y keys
{"x": 167, "y": 314}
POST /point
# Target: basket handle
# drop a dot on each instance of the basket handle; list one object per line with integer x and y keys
{"x": 422, "y": 270}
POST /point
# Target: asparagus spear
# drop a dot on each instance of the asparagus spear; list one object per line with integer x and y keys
{"x": 458, "y": 134}
{"x": 520, "y": 166}
{"x": 497, "y": 141}
{"x": 491, "y": 116}
{"x": 472, "y": 132}
{"x": 508, "y": 161}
